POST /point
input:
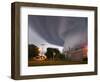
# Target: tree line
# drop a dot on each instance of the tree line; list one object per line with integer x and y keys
{"x": 51, "y": 53}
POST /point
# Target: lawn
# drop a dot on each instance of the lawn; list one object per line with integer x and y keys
{"x": 53, "y": 62}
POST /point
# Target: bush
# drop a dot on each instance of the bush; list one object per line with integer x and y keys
{"x": 62, "y": 56}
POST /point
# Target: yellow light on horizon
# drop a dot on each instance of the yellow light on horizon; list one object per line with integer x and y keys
{"x": 39, "y": 49}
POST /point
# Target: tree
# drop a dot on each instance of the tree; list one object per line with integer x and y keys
{"x": 49, "y": 53}
{"x": 53, "y": 53}
{"x": 62, "y": 56}
{"x": 32, "y": 51}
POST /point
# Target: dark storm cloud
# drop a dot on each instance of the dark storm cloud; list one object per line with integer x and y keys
{"x": 57, "y": 30}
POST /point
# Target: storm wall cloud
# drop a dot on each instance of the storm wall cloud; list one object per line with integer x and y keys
{"x": 58, "y": 30}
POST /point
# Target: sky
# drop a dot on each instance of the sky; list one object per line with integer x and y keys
{"x": 57, "y": 31}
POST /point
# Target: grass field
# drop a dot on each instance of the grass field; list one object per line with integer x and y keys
{"x": 53, "y": 62}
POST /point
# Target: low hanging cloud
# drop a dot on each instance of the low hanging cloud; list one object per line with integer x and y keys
{"x": 58, "y": 30}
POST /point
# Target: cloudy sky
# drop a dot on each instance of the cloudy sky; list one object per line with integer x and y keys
{"x": 57, "y": 31}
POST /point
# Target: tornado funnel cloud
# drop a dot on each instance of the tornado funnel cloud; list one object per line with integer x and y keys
{"x": 76, "y": 36}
